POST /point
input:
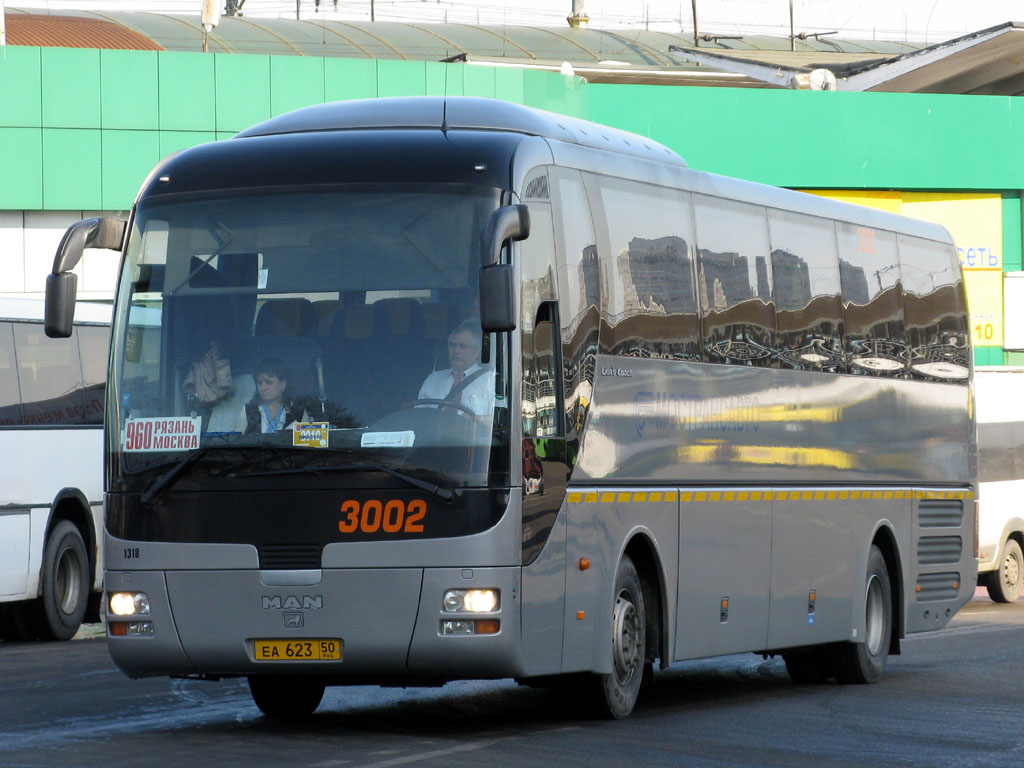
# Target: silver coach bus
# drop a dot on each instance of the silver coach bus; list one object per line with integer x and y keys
{"x": 412, "y": 390}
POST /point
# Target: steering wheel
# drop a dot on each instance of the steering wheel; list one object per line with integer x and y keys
{"x": 463, "y": 409}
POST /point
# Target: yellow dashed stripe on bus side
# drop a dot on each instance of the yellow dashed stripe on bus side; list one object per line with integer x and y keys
{"x": 659, "y": 497}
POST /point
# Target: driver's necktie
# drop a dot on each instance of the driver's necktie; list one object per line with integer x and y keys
{"x": 455, "y": 394}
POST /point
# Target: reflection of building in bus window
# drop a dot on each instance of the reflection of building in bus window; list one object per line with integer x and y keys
{"x": 466, "y": 382}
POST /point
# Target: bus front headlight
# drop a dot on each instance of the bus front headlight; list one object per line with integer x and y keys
{"x": 129, "y": 604}
{"x": 472, "y": 600}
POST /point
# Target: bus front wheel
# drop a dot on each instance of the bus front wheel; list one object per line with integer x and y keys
{"x": 286, "y": 696}
{"x": 865, "y": 662}
{"x": 64, "y": 584}
{"x": 618, "y": 691}
{"x": 1004, "y": 583}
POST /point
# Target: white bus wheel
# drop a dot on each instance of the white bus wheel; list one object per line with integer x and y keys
{"x": 865, "y": 662}
{"x": 64, "y": 584}
{"x": 286, "y": 696}
{"x": 618, "y": 691}
{"x": 1004, "y": 584}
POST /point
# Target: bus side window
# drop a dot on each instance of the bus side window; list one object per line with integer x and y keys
{"x": 541, "y": 375}
{"x": 808, "y": 301}
{"x": 650, "y": 237}
{"x": 933, "y": 303}
{"x": 50, "y": 375}
{"x": 10, "y": 399}
{"x": 93, "y": 342}
{"x": 875, "y": 338}
{"x": 734, "y": 282}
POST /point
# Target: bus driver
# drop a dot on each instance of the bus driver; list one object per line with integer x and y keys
{"x": 466, "y": 382}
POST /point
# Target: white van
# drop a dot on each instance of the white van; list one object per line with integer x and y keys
{"x": 1000, "y": 410}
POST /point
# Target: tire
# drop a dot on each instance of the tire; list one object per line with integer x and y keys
{"x": 617, "y": 692}
{"x": 811, "y": 666}
{"x": 865, "y": 662}
{"x": 64, "y": 584}
{"x": 1004, "y": 584}
{"x": 286, "y": 696}
{"x": 15, "y": 623}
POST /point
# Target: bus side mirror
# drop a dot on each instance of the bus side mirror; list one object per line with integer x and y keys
{"x": 62, "y": 283}
{"x": 497, "y": 281}
{"x": 497, "y": 298}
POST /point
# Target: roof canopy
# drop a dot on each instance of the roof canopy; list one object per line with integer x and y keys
{"x": 983, "y": 62}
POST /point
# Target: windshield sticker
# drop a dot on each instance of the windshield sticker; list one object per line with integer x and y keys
{"x": 307, "y": 434}
{"x": 388, "y": 439}
{"x": 161, "y": 434}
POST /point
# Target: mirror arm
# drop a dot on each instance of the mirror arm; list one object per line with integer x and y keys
{"x": 87, "y": 233}
{"x": 510, "y": 221}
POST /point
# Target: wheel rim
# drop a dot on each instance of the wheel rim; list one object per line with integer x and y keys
{"x": 68, "y": 581}
{"x": 1011, "y": 571}
{"x": 626, "y": 633}
{"x": 875, "y": 616}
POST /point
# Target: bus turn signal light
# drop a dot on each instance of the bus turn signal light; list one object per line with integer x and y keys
{"x": 584, "y": 564}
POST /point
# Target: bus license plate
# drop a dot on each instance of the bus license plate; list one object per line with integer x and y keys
{"x": 297, "y": 650}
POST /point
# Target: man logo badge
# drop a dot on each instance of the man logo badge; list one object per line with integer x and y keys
{"x": 292, "y": 620}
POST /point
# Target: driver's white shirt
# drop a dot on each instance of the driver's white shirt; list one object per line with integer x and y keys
{"x": 478, "y": 396}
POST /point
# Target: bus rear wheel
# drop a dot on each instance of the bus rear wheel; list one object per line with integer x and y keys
{"x": 865, "y": 662}
{"x": 64, "y": 584}
{"x": 618, "y": 691}
{"x": 1004, "y": 584}
{"x": 286, "y": 696}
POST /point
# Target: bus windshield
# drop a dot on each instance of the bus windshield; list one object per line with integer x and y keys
{"x": 336, "y": 327}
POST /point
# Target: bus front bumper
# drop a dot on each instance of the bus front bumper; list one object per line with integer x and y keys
{"x": 386, "y": 622}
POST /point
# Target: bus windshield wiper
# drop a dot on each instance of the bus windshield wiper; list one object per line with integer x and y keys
{"x": 180, "y": 466}
{"x": 445, "y": 494}
{"x": 172, "y": 474}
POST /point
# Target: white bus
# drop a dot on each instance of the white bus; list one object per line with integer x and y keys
{"x": 410, "y": 390}
{"x": 1001, "y": 486}
{"x": 51, "y": 476}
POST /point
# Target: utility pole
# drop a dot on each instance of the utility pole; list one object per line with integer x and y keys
{"x": 233, "y": 7}
{"x": 371, "y": 11}
{"x": 792, "y": 36}
{"x": 696, "y": 35}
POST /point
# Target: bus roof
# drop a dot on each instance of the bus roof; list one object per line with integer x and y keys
{"x": 455, "y": 113}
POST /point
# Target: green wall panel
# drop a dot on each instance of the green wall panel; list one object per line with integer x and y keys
{"x": 401, "y": 78}
{"x": 1012, "y": 259}
{"x": 71, "y": 169}
{"x": 295, "y": 81}
{"x": 508, "y": 84}
{"x": 346, "y": 79}
{"x": 70, "y": 87}
{"x": 827, "y": 139}
{"x": 442, "y": 78}
{"x": 129, "y": 85}
{"x": 21, "y": 157}
{"x": 187, "y": 100}
{"x": 127, "y": 157}
{"x": 479, "y": 81}
{"x": 988, "y": 356}
{"x": 243, "y": 90}
{"x": 20, "y": 91}
{"x": 556, "y": 92}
